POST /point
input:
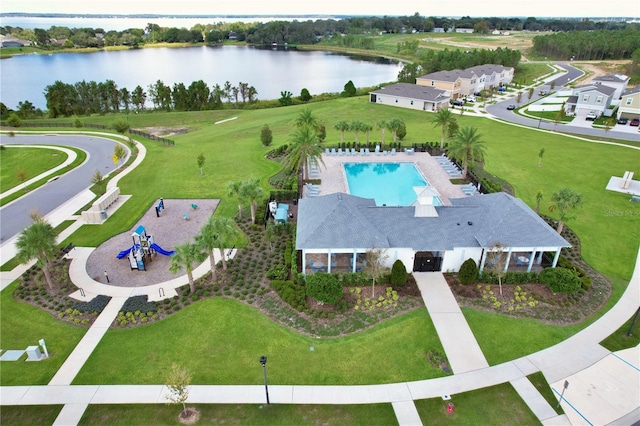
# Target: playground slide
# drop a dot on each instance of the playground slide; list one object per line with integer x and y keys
{"x": 123, "y": 253}
{"x": 161, "y": 250}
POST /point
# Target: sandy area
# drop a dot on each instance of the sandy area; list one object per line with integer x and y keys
{"x": 168, "y": 230}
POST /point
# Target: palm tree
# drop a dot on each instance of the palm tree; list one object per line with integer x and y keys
{"x": 342, "y": 126}
{"x": 304, "y": 147}
{"x": 564, "y": 200}
{"x": 539, "y": 196}
{"x": 356, "y": 126}
{"x": 235, "y": 189}
{"x": 367, "y": 128}
{"x": 254, "y": 194}
{"x": 395, "y": 125}
{"x": 218, "y": 233}
{"x": 185, "y": 256}
{"x": 38, "y": 241}
{"x": 306, "y": 118}
{"x": 467, "y": 147}
{"x": 382, "y": 125}
{"x": 442, "y": 119}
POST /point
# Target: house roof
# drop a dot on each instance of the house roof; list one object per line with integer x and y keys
{"x": 346, "y": 221}
{"x": 448, "y": 76}
{"x": 631, "y": 91}
{"x": 605, "y": 90}
{"x": 616, "y": 78}
{"x": 488, "y": 69}
{"x": 573, "y": 99}
{"x": 413, "y": 91}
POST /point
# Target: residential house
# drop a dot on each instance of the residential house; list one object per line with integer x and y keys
{"x": 589, "y": 97}
{"x": 411, "y": 96}
{"x": 464, "y": 30}
{"x": 438, "y": 30}
{"x": 10, "y": 41}
{"x": 630, "y": 104}
{"x": 336, "y": 230}
{"x": 491, "y": 76}
{"x": 444, "y": 80}
{"x": 617, "y": 81}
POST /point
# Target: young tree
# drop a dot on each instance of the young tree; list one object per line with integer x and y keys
{"x": 285, "y": 98}
{"x": 540, "y": 155}
{"x": 120, "y": 126}
{"x": 342, "y": 126}
{"x": 467, "y": 147}
{"x": 218, "y": 233}
{"x": 442, "y": 119}
{"x": 200, "y": 161}
{"x": 21, "y": 175}
{"x": 395, "y": 126}
{"x": 38, "y": 241}
{"x": 119, "y": 153}
{"x": 376, "y": 259}
{"x": 530, "y": 93}
{"x": 186, "y": 255}
{"x": 539, "y": 196}
{"x": 266, "y": 136}
{"x": 254, "y": 194}
{"x": 304, "y": 147}
{"x": 496, "y": 261}
{"x": 563, "y": 201}
{"x": 269, "y": 234}
{"x": 519, "y": 97}
{"x": 178, "y": 382}
{"x": 305, "y": 96}
{"x": 98, "y": 180}
{"x": 349, "y": 89}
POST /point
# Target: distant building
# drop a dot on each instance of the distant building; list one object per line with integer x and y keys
{"x": 10, "y": 41}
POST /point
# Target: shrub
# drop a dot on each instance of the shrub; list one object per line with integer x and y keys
{"x": 324, "y": 288}
{"x": 278, "y": 272}
{"x": 139, "y": 303}
{"x": 585, "y": 283}
{"x": 560, "y": 280}
{"x": 287, "y": 254}
{"x": 355, "y": 279}
{"x": 291, "y": 293}
{"x": 468, "y": 272}
{"x": 96, "y": 304}
{"x": 399, "y": 273}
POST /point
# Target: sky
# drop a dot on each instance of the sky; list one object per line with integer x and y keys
{"x": 474, "y": 8}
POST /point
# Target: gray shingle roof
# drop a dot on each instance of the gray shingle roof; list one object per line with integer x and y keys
{"x": 413, "y": 91}
{"x": 618, "y": 78}
{"x": 631, "y": 91}
{"x": 450, "y": 76}
{"x": 345, "y": 221}
{"x": 606, "y": 90}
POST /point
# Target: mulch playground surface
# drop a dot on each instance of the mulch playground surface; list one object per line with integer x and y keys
{"x": 168, "y": 230}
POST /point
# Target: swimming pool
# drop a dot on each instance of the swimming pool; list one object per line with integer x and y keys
{"x": 389, "y": 184}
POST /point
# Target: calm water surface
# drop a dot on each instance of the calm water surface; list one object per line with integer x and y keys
{"x": 269, "y": 71}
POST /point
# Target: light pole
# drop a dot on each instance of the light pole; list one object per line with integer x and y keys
{"x": 263, "y": 361}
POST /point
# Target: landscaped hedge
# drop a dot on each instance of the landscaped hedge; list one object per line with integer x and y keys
{"x": 560, "y": 280}
{"x": 97, "y": 304}
{"x": 325, "y": 288}
{"x": 510, "y": 278}
{"x": 354, "y": 279}
{"x": 291, "y": 293}
{"x": 585, "y": 281}
{"x": 139, "y": 304}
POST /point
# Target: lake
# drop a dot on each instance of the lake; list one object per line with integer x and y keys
{"x": 25, "y": 77}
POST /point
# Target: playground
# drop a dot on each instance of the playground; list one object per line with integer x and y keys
{"x": 177, "y": 223}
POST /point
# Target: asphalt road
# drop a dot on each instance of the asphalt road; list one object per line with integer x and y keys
{"x": 14, "y": 217}
{"x": 499, "y": 110}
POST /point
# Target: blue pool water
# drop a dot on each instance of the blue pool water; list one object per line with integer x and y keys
{"x": 388, "y": 183}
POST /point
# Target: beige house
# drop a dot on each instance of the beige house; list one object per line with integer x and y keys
{"x": 448, "y": 81}
{"x": 630, "y": 104}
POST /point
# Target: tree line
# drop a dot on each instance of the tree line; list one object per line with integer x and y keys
{"x": 589, "y": 45}
{"x": 85, "y": 98}
{"x": 291, "y": 32}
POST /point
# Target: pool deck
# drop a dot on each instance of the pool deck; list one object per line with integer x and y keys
{"x": 333, "y": 177}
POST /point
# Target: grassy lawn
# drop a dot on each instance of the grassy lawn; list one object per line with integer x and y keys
{"x": 27, "y": 415}
{"x": 538, "y": 380}
{"x": 60, "y": 158}
{"x": 619, "y": 339}
{"x": 23, "y": 325}
{"x": 232, "y": 414}
{"x": 526, "y": 73}
{"x": 32, "y": 161}
{"x": 496, "y": 405}
{"x": 220, "y": 341}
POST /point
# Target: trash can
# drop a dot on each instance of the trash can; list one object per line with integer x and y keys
{"x": 103, "y": 215}
{"x": 450, "y": 407}
{"x": 33, "y": 353}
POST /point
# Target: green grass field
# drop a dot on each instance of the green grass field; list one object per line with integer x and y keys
{"x": 31, "y": 161}
{"x": 620, "y": 339}
{"x": 27, "y": 415}
{"x": 496, "y": 405}
{"x": 220, "y": 341}
{"x": 22, "y": 325}
{"x": 231, "y": 414}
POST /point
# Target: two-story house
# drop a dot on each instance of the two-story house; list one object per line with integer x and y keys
{"x": 630, "y": 104}
{"x": 491, "y": 76}
{"x": 617, "y": 81}
{"x": 444, "y": 80}
{"x": 589, "y": 97}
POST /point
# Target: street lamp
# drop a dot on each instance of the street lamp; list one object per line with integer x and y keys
{"x": 263, "y": 361}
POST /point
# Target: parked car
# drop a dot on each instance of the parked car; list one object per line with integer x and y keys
{"x": 511, "y": 107}
{"x": 592, "y": 116}
{"x": 477, "y": 94}
{"x": 502, "y": 89}
{"x": 543, "y": 93}
{"x": 622, "y": 120}
{"x": 457, "y": 102}
{"x": 635, "y": 122}
{"x": 470, "y": 99}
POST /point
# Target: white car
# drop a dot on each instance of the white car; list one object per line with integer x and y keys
{"x": 592, "y": 116}
{"x": 471, "y": 99}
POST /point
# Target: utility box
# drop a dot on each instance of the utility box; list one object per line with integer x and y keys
{"x": 103, "y": 215}
{"x": 33, "y": 353}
